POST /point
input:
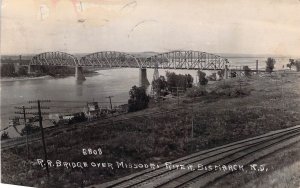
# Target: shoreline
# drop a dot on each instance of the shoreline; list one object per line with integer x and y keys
{"x": 11, "y": 79}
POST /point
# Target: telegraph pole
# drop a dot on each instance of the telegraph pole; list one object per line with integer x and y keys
{"x": 110, "y": 101}
{"x": 42, "y": 130}
{"x": 26, "y": 128}
{"x": 192, "y": 133}
{"x": 177, "y": 96}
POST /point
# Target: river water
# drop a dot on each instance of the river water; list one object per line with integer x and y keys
{"x": 68, "y": 95}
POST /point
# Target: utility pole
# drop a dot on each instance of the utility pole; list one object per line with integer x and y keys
{"x": 282, "y": 96}
{"x": 177, "y": 92}
{"x": 192, "y": 133}
{"x": 23, "y": 108}
{"x": 177, "y": 96}
{"x": 42, "y": 129}
{"x": 110, "y": 101}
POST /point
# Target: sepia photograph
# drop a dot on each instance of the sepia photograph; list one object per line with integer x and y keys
{"x": 150, "y": 93}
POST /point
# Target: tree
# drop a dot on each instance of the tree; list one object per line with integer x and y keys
{"x": 138, "y": 99}
{"x": 270, "y": 65}
{"x": 202, "y": 79}
{"x": 221, "y": 73}
{"x": 295, "y": 64}
{"x": 179, "y": 80}
{"x": 247, "y": 71}
{"x": 189, "y": 81}
{"x": 7, "y": 70}
{"x": 22, "y": 71}
{"x": 159, "y": 85}
{"x": 171, "y": 80}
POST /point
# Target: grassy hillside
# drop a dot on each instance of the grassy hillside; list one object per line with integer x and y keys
{"x": 232, "y": 110}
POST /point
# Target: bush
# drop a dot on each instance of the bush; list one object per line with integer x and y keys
{"x": 270, "y": 65}
{"x": 224, "y": 85}
{"x": 202, "y": 79}
{"x": 295, "y": 64}
{"x": 138, "y": 99}
{"x": 227, "y": 89}
{"x": 196, "y": 91}
{"x": 247, "y": 71}
{"x": 29, "y": 129}
{"x": 4, "y": 135}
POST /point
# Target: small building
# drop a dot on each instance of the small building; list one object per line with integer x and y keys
{"x": 93, "y": 110}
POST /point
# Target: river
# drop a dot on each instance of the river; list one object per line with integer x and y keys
{"x": 68, "y": 95}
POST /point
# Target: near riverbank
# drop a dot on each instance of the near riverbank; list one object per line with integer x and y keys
{"x": 229, "y": 110}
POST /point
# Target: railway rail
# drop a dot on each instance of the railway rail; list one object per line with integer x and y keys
{"x": 241, "y": 152}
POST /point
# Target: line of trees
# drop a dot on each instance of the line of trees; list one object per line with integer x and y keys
{"x": 8, "y": 70}
{"x": 54, "y": 70}
{"x": 179, "y": 80}
{"x": 162, "y": 85}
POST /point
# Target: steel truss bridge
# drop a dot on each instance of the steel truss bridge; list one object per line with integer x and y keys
{"x": 112, "y": 59}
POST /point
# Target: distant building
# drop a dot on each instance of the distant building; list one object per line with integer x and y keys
{"x": 93, "y": 110}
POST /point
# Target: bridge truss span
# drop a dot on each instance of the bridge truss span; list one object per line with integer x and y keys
{"x": 55, "y": 59}
{"x": 185, "y": 60}
{"x": 109, "y": 59}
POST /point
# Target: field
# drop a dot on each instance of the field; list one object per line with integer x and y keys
{"x": 231, "y": 110}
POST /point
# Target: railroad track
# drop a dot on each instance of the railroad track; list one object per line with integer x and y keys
{"x": 241, "y": 152}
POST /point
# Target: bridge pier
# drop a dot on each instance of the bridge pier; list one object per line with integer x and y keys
{"x": 79, "y": 73}
{"x": 143, "y": 81}
{"x": 155, "y": 74}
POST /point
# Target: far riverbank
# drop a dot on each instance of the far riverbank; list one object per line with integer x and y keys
{"x": 10, "y": 79}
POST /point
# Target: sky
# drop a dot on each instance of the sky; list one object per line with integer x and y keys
{"x": 214, "y": 26}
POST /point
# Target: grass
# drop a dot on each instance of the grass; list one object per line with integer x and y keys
{"x": 286, "y": 177}
{"x": 221, "y": 117}
{"x": 280, "y": 174}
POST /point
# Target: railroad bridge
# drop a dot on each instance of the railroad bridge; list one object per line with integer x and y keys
{"x": 111, "y": 59}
